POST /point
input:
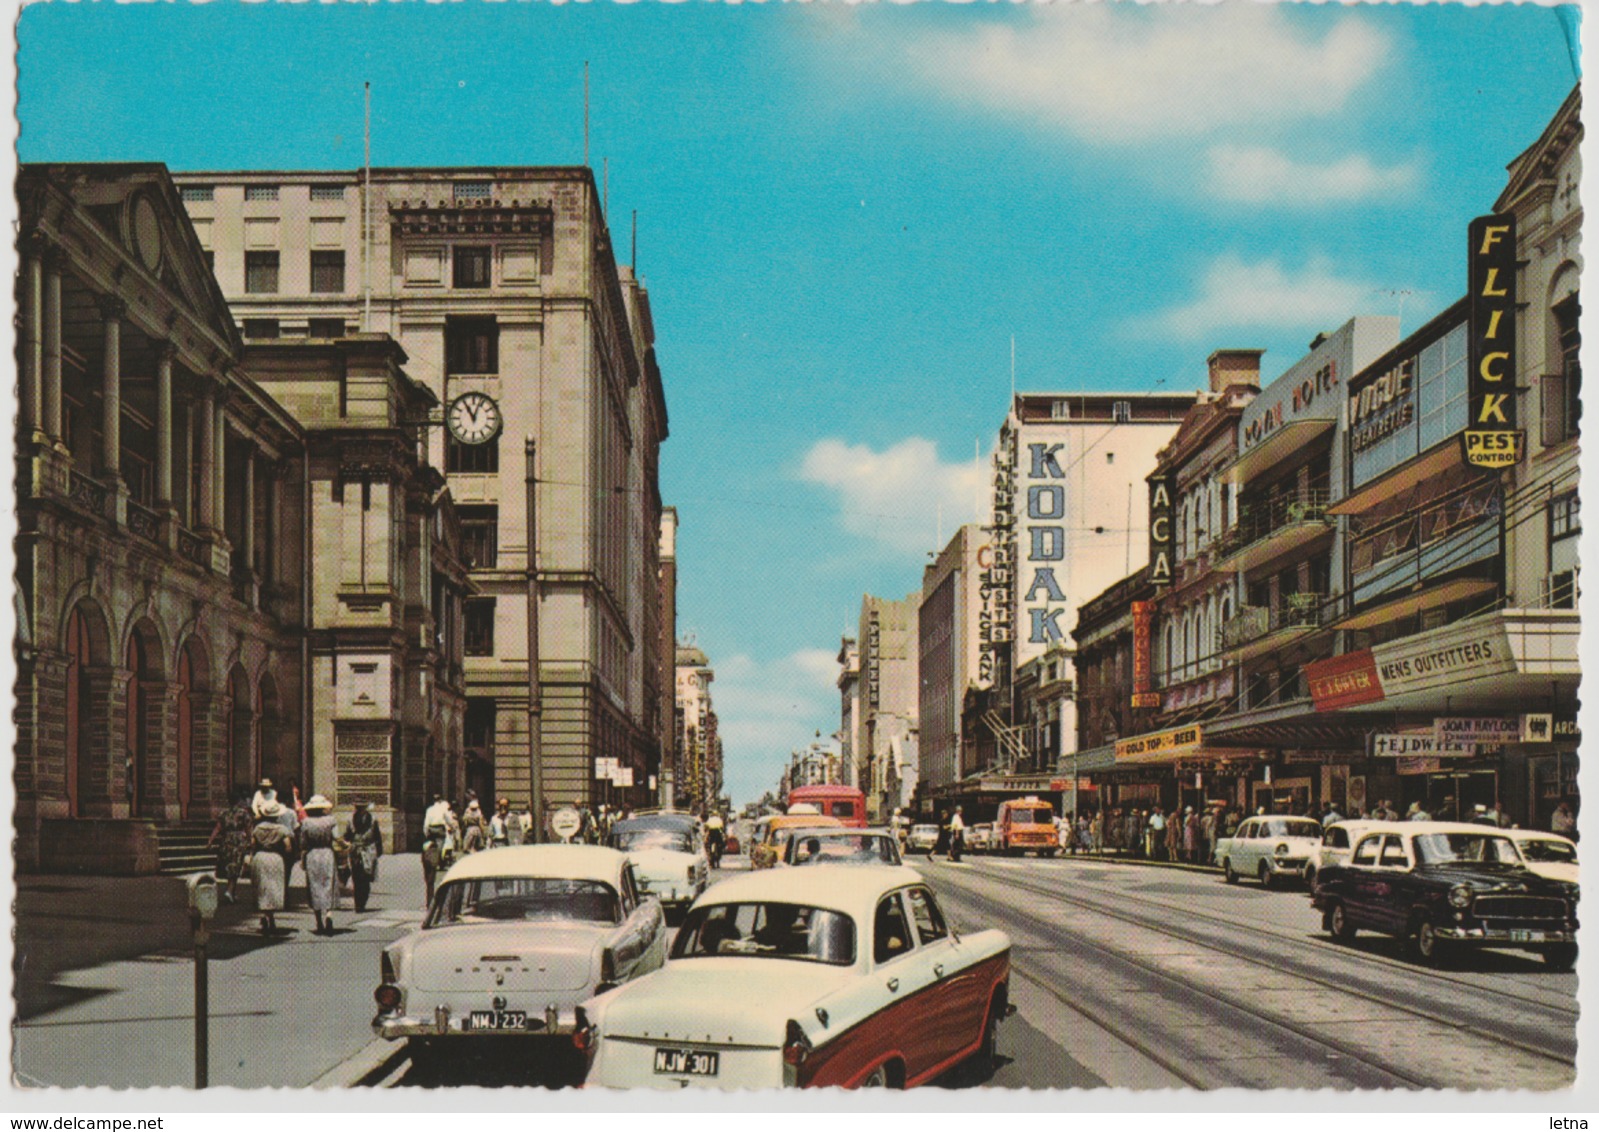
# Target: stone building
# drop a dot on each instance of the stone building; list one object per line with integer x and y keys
{"x": 502, "y": 287}
{"x": 948, "y": 624}
{"x": 886, "y": 759}
{"x": 698, "y": 777}
{"x": 165, "y": 588}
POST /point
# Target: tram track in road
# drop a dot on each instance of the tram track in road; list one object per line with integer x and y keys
{"x": 1337, "y": 952}
{"x": 1465, "y": 1039}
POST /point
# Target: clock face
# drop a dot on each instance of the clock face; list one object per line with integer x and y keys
{"x": 474, "y": 418}
{"x": 146, "y": 232}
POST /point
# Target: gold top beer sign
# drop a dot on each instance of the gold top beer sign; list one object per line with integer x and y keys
{"x": 1491, "y": 439}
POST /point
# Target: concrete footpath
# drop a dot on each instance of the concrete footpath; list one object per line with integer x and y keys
{"x": 105, "y": 984}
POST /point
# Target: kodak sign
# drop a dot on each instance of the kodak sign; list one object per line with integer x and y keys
{"x": 1491, "y": 439}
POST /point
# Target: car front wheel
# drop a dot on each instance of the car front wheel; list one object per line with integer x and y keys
{"x": 1265, "y": 875}
{"x": 1227, "y": 873}
{"x": 1561, "y": 957}
{"x": 1429, "y": 947}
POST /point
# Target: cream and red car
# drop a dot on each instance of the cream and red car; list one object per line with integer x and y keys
{"x": 768, "y": 851}
{"x": 516, "y": 938}
{"x": 846, "y": 977}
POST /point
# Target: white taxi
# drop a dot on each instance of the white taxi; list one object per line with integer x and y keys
{"x": 1547, "y": 854}
{"x": 1270, "y": 847}
{"x": 809, "y": 977}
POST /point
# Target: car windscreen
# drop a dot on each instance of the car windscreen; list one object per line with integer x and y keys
{"x": 1471, "y": 848}
{"x": 1029, "y": 817}
{"x": 636, "y": 840}
{"x": 1283, "y": 827}
{"x": 519, "y": 899}
{"x": 767, "y": 931}
{"x": 1548, "y": 852}
{"x": 858, "y": 849}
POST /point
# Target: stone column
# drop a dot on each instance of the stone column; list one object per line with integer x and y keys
{"x": 33, "y": 344}
{"x": 209, "y": 772}
{"x": 163, "y": 427}
{"x": 102, "y": 779}
{"x": 51, "y": 348}
{"x": 247, "y": 541}
{"x": 219, "y": 475}
{"x": 208, "y": 462}
{"x": 158, "y": 789}
{"x": 112, "y": 309}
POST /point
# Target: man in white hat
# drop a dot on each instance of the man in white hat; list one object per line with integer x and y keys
{"x": 263, "y": 794}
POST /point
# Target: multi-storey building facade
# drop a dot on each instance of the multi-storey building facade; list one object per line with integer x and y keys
{"x": 666, "y": 656}
{"x": 169, "y": 587}
{"x": 502, "y": 287}
{"x": 948, "y": 626}
{"x": 888, "y": 654}
{"x": 698, "y": 775}
{"x": 850, "y": 729}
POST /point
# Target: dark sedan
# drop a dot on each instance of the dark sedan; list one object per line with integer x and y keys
{"x": 1442, "y": 886}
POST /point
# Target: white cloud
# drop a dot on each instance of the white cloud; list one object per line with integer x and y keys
{"x": 894, "y": 497}
{"x": 1260, "y": 175}
{"x": 764, "y": 709}
{"x": 1124, "y": 74}
{"x": 1264, "y": 295}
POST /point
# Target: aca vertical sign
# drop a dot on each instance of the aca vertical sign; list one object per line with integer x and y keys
{"x": 1491, "y": 439}
{"x": 1160, "y": 533}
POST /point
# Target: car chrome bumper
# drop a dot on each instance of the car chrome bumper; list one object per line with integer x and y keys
{"x": 1508, "y": 935}
{"x": 551, "y": 1022}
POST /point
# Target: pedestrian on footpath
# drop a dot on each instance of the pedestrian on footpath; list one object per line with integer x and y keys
{"x": 231, "y": 839}
{"x": 435, "y": 832}
{"x": 500, "y": 824}
{"x": 1155, "y": 835}
{"x": 474, "y": 829}
{"x": 317, "y": 833}
{"x": 1416, "y": 813}
{"x": 273, "y": 845}
{"x": 1096, "y": 832}
{"x": 365, "y": 838}
{"x": 957, "y": 836}
{"x": 264, "y": 793}
{"x": 1174, "y": 836}
{"x": 1563, "y": 821}
{"x": 1190, "y": 836}
{"x": 1134, "y": 833}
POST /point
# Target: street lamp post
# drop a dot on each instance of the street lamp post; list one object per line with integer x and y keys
{"x": 535, "y": 706}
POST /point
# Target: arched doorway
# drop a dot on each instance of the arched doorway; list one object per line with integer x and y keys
{"x": 278, "y": 761}
{"x": 241, "y": 730}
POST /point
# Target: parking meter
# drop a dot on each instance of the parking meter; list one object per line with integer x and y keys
{"x": 202, "y": 891}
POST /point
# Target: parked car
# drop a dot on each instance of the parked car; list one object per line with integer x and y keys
{"x": 1337, "y": 842}
{"x": 514, "y": 940}
{"x": 669, "y": 861}
{"x": 1547, "y": 854}
{"x": 921, "y": 838}
{"x": 1270, "y": 847}
{"x": 980, "y": 837}
{"x": 769, "y": 850}
{"x": 1441, "y": 885}
{"x": 810, "y": 977}
{"x": 733, "y": 847}
{"x": 842, "y": 847}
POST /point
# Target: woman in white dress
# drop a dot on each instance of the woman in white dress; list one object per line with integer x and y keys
{"x": 317, "y": 833}
{"x": 269, "y": 865}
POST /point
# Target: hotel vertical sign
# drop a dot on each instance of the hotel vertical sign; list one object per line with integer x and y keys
{"x": 1160, "y": 532}
{"x": 1144, "y": 694}
{"x": 1491, "y": 439}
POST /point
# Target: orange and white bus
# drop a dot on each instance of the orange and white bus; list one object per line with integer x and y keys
{"x": 845, "y": 803}
{"x": 1023, "y": 825}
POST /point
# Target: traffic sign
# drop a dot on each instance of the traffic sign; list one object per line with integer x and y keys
{"x": 565, "y": 823}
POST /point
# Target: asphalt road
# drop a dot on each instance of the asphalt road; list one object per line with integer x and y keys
{"x": 1144, "y": 977}
{"x": 1149, "y": 978}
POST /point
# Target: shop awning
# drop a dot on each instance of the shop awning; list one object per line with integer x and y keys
{"x": 1281, "y": 444}
{"x": 1440, "y": 459}
{"x": 1461, "y": 589}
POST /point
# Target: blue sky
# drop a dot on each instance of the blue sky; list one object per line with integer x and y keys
{"x": 845, "y": 214}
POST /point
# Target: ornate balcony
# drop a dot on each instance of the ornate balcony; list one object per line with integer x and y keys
{"x": 1256, "y": 629}
{"x": 91, "y": 495}
{"x": 144, "y": 522}
{"x": 1270, "y": 528}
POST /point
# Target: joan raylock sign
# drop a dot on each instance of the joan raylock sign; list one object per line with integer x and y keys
{"x": 1491, "y": 438}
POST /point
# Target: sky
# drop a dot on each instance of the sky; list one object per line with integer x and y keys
{"x": 847, "y": 213}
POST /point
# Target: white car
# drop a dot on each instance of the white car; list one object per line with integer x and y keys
{"x": 806, "y": 976}
{"x": 921, "y": 838}
{"x": 668, "y": 857}
{"x": 516, "y": 938}
{"x": 1269, "y": 847}
{"x": 1547, "y": 854}
{"x": 980, "y": 838}
{"x": 1337, "y": 842}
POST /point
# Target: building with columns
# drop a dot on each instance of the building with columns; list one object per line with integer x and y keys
{"x": 698, "y": 774}
{"x": 165, "y": 587}
{"x": 502, "y": 287}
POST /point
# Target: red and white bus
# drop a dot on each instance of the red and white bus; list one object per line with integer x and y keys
{"x": 845, "y": 803}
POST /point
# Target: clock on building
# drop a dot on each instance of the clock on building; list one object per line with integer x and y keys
{"x": 474, "y": 418}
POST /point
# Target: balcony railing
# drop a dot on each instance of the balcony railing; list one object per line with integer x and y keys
{"x": 92, "y": 495}
{"x": 193, "y": 547}
{"x": 1265, "y": 518}
{"x": 1252, "y": 622}
{"x": 1433, "y": 523}
{"x": 144, "y": 522}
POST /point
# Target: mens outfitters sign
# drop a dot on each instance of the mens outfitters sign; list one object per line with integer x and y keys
{"x": 1491, "y": 438}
